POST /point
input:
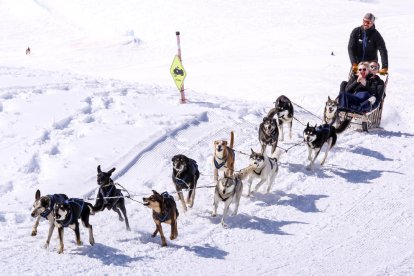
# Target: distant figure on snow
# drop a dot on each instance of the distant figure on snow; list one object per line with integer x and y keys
{"x": 28, "y": 51}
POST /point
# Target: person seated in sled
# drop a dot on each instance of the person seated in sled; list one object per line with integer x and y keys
{"x": 361, "y": 93}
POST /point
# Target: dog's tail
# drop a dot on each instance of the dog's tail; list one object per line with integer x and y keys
{"x": 231, "y": 139}
{"x": 271, "y": 113}
{"x": 344, "y": 125}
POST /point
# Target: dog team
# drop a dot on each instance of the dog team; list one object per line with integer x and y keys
{"x": 62, "y": 212}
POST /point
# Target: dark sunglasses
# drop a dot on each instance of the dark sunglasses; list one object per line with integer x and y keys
{"x": 367, "y": 21}
{"x": 373, "y": 67}
{"x": 362, "y": 69}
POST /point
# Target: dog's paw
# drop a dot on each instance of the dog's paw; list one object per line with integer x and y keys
{"x": 128, "y": 228}
{"x": 308, "y": 167}
{"x": 121, "y": 218}
{"x": 225, "y": 226}
{"x": 79, "y": 242}
{"x": 60, "y": 251}
{"x": 34, "y": 233}
{"x": 46, "y": 246}
{"x": 92, "y": 241}
{"x": 213, "y": 214}
{"x": 234, "y": 213}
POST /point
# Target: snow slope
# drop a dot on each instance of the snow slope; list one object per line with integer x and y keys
{"x": 96, "y": 91}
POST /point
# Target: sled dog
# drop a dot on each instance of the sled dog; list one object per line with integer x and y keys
{"x": 264, "y": 168}
{"x": 229, "y": 189}
{"x": 185, "y": 176}
{"x": 224, "y": 156}
{"x": 284, "y": 111}
{"x": 109, "y": 196}
{"x": 43, "y": 207}
{"x": 315, "y": 137}
{"x": 330, "y": 112}
{"x": 67, "y": 214}
{"x": 164, "y": 210}
{"x": 268, "y": 134}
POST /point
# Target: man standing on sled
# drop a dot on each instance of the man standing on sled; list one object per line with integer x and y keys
{"x": 365, "y": 42}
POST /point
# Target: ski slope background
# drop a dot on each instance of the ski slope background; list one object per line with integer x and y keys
{"x": 96, "y": 90}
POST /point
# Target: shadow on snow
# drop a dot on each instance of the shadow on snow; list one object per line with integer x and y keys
{"x": 108, "y": 255}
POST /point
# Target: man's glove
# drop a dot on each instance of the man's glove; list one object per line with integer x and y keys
{"x": 372, "y": 100}
{"x": 383, "y": 71}
{"x": 354, "y": 68}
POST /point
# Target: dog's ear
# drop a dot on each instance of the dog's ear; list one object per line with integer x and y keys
{"x": 264, "y": 119}
{"x": 307, "y": 125}
{"x": 37, "y": 195}
{"x": 337, "y": 100}
{"x": 252, "y": 150}
{"x": 155, "y": 192}
{"x": 329, "y": 98}
{"x": 316, "y": 125}
{"x": 99, "y": 169}
{"x": 111, "y": 171}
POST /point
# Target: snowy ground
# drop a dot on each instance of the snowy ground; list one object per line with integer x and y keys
{"x": 96, "y": 90}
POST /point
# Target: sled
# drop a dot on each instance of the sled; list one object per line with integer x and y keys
{"x": 366, "y": 119}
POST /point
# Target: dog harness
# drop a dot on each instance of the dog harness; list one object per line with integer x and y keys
{"x": 217, "y": 165}
{"x": 111, "y": 192}
{"x": 53, "y": 199}
{"x": 170, "y": 203}
{"x": 182, "y": 182}
{"x": 236, "y": 182}
{"x": 271, "y": 165}
{"x": 76, "y": 206}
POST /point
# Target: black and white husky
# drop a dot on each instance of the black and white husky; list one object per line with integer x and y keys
{"x": 315, "y": 137}
{"x": 68, "y": 213}
{"x": 43, "y": 208}
{"x": 229, "y": 189}
{"x": 284, "y": 111}
{"x": 263, "y": 168}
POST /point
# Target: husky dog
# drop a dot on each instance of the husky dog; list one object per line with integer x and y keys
{"x": 43, "y": 207}
{"x": 284, "y": 111}
{"x": 164, "y": 210}
{"x": 185, "y": 176}
{"x": 315, "y": 137}
{"x": 268, "y": 134}
{"x": 264, "y": 168}
{"x": 108, "y": 196}
{"x": 67, "y": 214}
{"x": 330, "y": 112}
{"x": 224, "y": 156}
{"x": 229, "y": 189}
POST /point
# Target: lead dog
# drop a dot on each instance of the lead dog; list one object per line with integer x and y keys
{"x": 268, "y": 134}
{"x": 315, "y": 137}
{"x": 264, "y": 168}
{"x": 164, "y": 210}
{"x": 229, "y": 189}
{"x": 185, "y": 176}
{"x": 284, "y": 111}
{"x": 224, "y": 156}
{"x": 43, "y": 208}
{"x": 67, "y": 214}
{"x": 109, "y": 196}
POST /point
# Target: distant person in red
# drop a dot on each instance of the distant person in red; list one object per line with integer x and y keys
{"x": 28, "y": 51}
{"x": 365, "y": 42}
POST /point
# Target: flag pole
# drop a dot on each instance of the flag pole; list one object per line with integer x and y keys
{"x": 183, "y": 100}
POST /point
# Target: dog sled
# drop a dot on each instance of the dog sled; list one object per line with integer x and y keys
{"x": 368, "y": 117}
